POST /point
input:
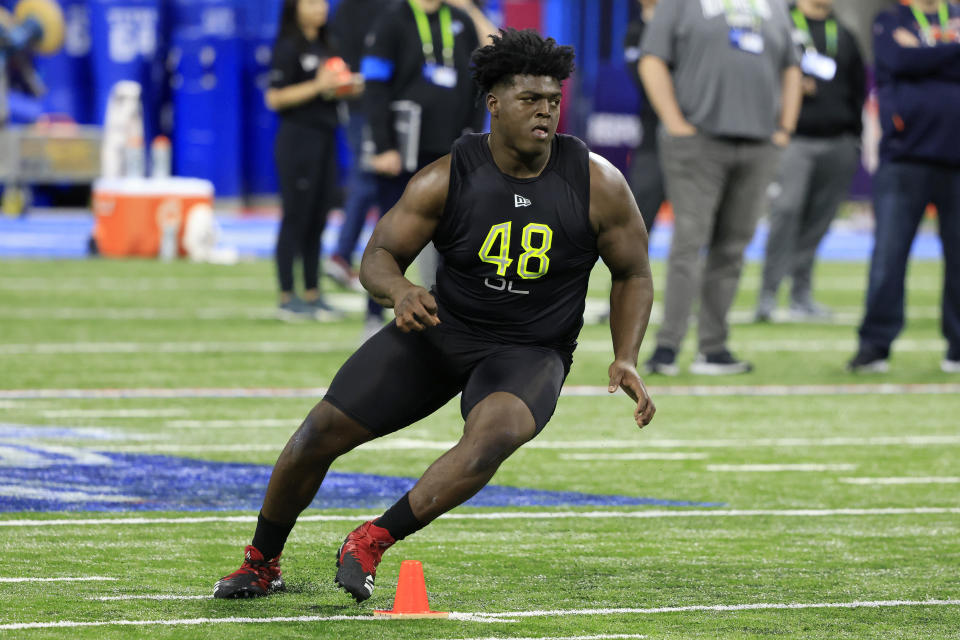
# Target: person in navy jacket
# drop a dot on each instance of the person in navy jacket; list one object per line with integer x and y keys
{"x": 917, "y": 50}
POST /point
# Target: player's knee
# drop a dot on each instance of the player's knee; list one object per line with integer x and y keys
{"x": 499, "y": 430}
{"x": 327, "y": 433}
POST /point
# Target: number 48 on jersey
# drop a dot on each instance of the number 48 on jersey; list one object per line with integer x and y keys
{"x": 536, "y": 241}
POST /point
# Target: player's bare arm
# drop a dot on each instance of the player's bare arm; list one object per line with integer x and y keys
{"x": 396, "y": 241}
{"x": 622, "y": 243}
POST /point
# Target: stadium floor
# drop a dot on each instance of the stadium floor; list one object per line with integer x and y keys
{"x": 143, "y": 403}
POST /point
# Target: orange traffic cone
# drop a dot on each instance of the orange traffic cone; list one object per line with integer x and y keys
{"x": 411, "y": 599}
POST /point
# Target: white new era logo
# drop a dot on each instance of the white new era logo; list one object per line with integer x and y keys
{"x": 520, "y": 201}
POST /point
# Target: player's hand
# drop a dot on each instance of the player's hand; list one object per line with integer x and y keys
{"x": 388, "y": 163}
{"x": 416, "y": 310}
{"x": 624, "y": 375}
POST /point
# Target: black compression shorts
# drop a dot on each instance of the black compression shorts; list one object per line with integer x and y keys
{"x": 396, "y": 378}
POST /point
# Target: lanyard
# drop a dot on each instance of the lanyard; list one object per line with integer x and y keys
{"x": 829, "y": 27}
{"x": 426, "y": 38}
{"x": 924, "y": 24}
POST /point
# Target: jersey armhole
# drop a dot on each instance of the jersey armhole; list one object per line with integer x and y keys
{"x": 577, "y": 176}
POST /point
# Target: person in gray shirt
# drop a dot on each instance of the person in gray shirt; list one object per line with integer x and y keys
{"x": 724, "y": 77}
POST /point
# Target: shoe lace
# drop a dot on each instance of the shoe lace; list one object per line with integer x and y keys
{"x": 264, "y": 571}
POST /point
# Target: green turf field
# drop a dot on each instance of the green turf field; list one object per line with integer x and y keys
{"x": 837, "y": 496}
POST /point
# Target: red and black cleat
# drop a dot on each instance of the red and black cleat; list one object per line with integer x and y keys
{"x": 256, "y": 577}
{"x": 358, "y": 558}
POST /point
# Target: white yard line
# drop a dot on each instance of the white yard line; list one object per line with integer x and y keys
{"x": 69, "y": 624}
{"x": 192, "y": 448}
{"x": 510, "y": 515}
{"x": 570, "y": 390}
{"x": 847, "y": 316}
{"x": 344, "y": 302}
{"x": 163, "y": 393}
{"x": 594, "y": 346}
{"x": 137, "y": 313}
{"x": 77, "y": 579}
{"x": 780, "y": 467}
{"x": 633, "y": 456}
{"x": 156, "y": 596}
{"x": 135, "y": 284}
{"x": 855, "y": 284}
{"x": 65, "y": 348}
{"x": 776, "y": 390}
{"x": 605, "y": 636}
{"x": 754, "y": 606}
{"x": 842, "y": 316}
{"x": 507, "y": 616}
{"x": 903, "y": 480}
{"x": 114, "y": 413}
{"x": 394, "y": 443}
{"x": 846, "y": 346}
{"x": 233, "y": 424}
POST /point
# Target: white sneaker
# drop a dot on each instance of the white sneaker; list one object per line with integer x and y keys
{"x": 810, "y": 311}
{"x": 950, "y": 366}
{"x": 721, "y": 363}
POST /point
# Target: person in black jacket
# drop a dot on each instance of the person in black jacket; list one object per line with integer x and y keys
{"x": 817, "y": 167}
{"x": 349, "y": 25}
{"x": 416, "y": 64}
{"x": 917, "y": 52}
{"x": 646, "y": 177}
{"x": 306, "y": 80}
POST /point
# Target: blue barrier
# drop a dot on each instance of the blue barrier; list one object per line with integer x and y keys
{"x": 260, "y": 17}
{"x": 217, "y": 18}
{"x": 67, "y": 74}
{"x": 206, "y": 107}
{"x": 259, "y": 122}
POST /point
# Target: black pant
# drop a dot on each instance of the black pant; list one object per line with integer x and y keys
{"x": 307, "y": 167}
{"x": 646, "y": 182}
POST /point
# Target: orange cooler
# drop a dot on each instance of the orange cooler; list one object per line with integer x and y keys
{"x": 132, "y": 214}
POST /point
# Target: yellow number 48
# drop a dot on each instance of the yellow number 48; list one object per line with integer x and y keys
{"x": 536, "y": 242}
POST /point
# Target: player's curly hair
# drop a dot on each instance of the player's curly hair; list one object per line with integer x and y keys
{"x": 520, "y": 53}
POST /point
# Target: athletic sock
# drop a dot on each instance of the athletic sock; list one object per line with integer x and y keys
{"x": 399, "y": 519}
{"x": 270, "y": 536}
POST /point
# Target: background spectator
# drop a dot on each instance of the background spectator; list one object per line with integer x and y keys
{"x": 725, "y": 82}
{"x": 917, "y": 49}
{"x": 303, "y": 85}
{"x": 818, "y": 165}
{"x": 434, "y": 76}
{"x": 646, "y": 178}
{"x": 350, "y": 25}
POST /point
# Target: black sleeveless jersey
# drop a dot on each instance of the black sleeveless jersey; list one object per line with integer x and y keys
{"x": 516, "y": 253}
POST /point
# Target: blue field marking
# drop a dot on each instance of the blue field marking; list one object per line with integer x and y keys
{"x": 64, "y": 479}
{"x": 65, "y": 235}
